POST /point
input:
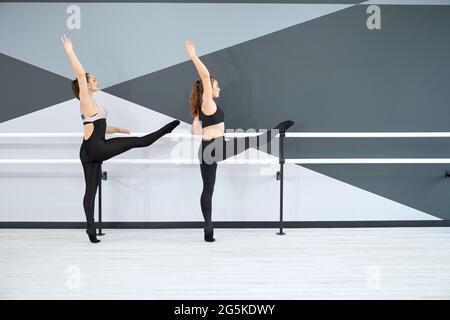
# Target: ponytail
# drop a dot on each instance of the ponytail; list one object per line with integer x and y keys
{"x": 76, "y": 86}
{"x": 196, "y": 97}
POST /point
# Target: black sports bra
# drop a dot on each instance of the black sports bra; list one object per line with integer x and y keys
{"x": 215, "y": 118}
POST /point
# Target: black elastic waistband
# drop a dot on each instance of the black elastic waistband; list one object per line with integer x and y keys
{"x": 213, "y": 139}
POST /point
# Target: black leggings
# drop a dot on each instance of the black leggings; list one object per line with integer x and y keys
{"x": 217, "y": 149}
{"x": 97, "y": 149}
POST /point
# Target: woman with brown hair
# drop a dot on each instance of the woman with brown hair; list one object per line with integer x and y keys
{"x": 209, "y": 122}
{"x": 95, "y": 148}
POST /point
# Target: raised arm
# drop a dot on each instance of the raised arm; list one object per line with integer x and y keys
{"x": 204, "y": 76}
{"x": 77, "y": 69}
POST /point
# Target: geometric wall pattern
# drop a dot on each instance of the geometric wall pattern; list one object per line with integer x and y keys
{"x": 317, "y": 64}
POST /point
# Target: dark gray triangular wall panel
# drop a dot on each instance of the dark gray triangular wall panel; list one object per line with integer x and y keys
{"x": 26, "y": 88}
{"x": 422, "y": 187}
{"x": 334, "y": 74}
{"x": 330, "y": 74}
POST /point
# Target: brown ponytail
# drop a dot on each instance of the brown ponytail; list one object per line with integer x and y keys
{"x": 196, "y": 96}
{"x": 76, "y": 87}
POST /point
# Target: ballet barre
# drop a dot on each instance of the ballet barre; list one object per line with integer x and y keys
{"x": 137, "y": 161}
{"x": 281, "y": 160}
{"x": 242, "y": 161}
{"x": 367, "y": 134}
{"x": 242, "y": 134}
{"x": 132, "y": 134}
{"x": 104, "y": 175}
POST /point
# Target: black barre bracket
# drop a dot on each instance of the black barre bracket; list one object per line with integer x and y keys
{"x": 447, "y": 175}
{"x": 104, "y": 175}
{"x": 278, "y": 175}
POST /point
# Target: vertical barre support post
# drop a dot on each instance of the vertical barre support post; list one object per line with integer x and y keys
{"x": 281, "y": 177}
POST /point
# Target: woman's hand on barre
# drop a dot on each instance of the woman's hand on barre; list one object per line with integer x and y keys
{"x": 123, "y": 131}
{"x": 110, "y": 129}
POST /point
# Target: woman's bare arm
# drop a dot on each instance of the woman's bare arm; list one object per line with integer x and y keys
{"x": 196, "y": 127}
{"x": 111, "y": 129}
{"x": 80, "y": 74}
{"x": 208, "y": 102}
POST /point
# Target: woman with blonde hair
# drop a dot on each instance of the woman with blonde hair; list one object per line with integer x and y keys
{"x": 95, "y": 148}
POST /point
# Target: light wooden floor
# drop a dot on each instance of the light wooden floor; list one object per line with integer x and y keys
{"x": 391, "y": 263}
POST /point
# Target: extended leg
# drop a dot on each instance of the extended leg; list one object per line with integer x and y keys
{"x": 116, "y": 146}
{"x": 208, "y": 172}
